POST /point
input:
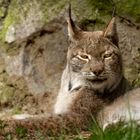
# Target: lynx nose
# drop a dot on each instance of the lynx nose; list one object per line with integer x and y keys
{"x": 97, "y": 72}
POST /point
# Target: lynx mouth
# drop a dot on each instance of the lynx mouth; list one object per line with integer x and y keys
{"x": 93, "y": 78}
{"x": 98, "y": 80}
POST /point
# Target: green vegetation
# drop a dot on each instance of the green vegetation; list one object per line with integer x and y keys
{"x": 123, "y": 7}
{"x": 51, "y": 8}
{"x": 120, "y": 131}
{"x": 9, "y": 20}
{"x": 21, "y": 132}
{"x": 1, "y": 12}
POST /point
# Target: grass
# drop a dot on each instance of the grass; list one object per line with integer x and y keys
{"x": 119, "y": 131}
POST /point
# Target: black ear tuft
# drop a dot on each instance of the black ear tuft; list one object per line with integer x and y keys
{"x": 72, "y": 28}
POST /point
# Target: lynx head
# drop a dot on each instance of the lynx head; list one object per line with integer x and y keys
{"x": 95, "y": 56}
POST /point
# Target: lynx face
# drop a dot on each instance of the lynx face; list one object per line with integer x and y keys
{"x": 94, "y": 57}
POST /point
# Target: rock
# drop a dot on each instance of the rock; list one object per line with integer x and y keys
{"x": 29, "y": 24}
{"x": 129, "y": 45}
{"x": 10, "y": 35}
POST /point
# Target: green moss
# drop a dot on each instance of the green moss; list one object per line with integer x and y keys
{"x": 51, "y": 8}
{"x": 1, "y": 12}
{"x": 129, "y": 7}
{"x": 123, "y": 7}
{"x": 10, "y": 19}
{"x": 6, "y": 94}
{"x": 16, "y": 110}
{"x": 82, "y": 11}
{"x": 15, "y": 11}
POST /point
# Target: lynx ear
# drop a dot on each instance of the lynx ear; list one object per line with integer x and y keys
{"x": 111, "y": 32}
{"x": 72, "y": 28}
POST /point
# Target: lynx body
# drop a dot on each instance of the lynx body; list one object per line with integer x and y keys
{"x": 94, "y": 62}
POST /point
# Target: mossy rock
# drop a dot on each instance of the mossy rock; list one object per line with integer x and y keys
{"x": 47, "y": 10}
{"x": 19, "y": 10}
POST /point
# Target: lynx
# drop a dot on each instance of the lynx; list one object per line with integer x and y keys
{"x": 92, "y": 84}
{"x": 94, "y": 68}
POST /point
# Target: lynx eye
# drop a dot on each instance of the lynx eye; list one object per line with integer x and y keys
{"x": 84, "y": 57}
{"x": 108, "y": 55}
